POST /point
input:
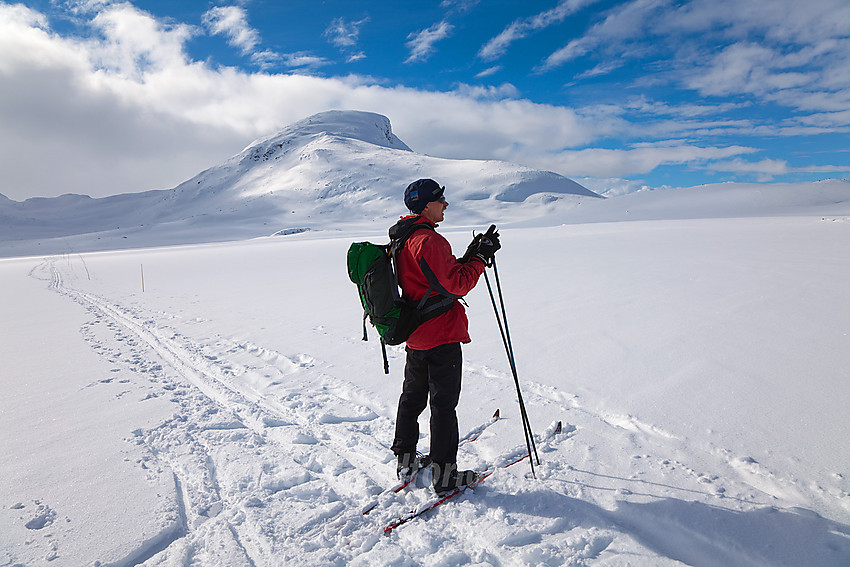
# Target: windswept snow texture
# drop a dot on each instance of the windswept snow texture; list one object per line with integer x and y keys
{"x": 695, "y": 344}
{"x": 333, "y": 170}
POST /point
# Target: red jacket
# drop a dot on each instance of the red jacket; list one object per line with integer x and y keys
{"x": 458, "y": 278}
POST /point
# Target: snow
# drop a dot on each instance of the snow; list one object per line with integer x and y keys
{"x": 694, "y": 342}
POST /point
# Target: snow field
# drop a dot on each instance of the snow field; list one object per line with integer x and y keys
{"x": 699, "y": 368}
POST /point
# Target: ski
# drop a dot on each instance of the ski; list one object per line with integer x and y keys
{"x": 470, "y": 437}
{"x": 475, "y": 433}
{"x": 508, "y": 461}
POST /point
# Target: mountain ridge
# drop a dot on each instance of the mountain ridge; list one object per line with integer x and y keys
{"x": 343, "y": 166}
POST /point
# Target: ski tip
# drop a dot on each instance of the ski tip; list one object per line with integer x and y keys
{"x": 496, "y": 415}
{"x": 558, "y": 428}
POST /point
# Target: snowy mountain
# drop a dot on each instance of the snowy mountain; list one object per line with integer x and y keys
{"x": 346, "y": 168}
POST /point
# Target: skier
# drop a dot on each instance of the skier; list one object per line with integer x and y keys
{"x": 433, "y": 362}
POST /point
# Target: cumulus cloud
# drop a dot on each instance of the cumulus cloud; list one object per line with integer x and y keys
{"x": 421, "y": 44}
{"x": 232, "y": 21}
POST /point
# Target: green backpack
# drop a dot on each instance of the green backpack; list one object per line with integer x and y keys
{"x": 372, "y": 267}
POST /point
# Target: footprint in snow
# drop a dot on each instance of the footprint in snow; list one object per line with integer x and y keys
{"x": 44, "y": 516}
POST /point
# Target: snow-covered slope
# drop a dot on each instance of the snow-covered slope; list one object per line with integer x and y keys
{"x": 334, "y": 169}
{"x": 230, "y": 415}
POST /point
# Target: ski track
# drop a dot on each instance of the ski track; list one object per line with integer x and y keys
{"x": 274, "y": 457}
{"x": 295, "y": 443}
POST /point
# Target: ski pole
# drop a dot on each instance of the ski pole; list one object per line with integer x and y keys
{"x": 526, "y": 425}
{"x": 506, "y": 340}
{"x": 510, "y": 348}
{"x": 526, "y": 428}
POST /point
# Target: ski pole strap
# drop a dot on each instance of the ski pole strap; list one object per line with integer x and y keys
{"x": 365, "y": 315}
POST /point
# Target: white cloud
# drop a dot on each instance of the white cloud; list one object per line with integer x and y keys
{"x": 133, "y": 42}
{"x": 489, "y": 71}
{"x": 345, "y": 35}
{"x": 793, "y": 53}
{"x": 778, "y": 21}
{"x": 769, "y": 168}
{"x": 523, "y": 27}
{"x": 766, "y": 166}
{"x": 828, "y": 119}
{"x": 749, "y": 68}
{"x": 20, "y": 16}
{"x": 603, "y": 68}
{"x": 232, "y": 21}
{"x": 613, "y": 186}
{"x": 302, "y": 59}
{"x": 459, "y": 5}
{"x": 624, "y": 23}
{"x": 503, "y": 91}
{"x": 683, "y": 110}
{"x": 638, "y": 160}
{"x": 422, "y": 43}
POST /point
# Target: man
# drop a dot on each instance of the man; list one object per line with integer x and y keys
{"x": 434, "y": 360}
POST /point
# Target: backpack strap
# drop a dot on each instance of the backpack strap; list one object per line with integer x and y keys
{"x": 428, "y": 307}
{"x": 396, "y": 245}
{"x": 384, "y": 353}
{"x": 434, "y": 282}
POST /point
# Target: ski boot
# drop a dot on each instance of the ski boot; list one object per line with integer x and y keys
{"x": 447, "y": 478}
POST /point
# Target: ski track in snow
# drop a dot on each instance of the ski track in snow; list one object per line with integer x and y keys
{"x": 274, "y": 456}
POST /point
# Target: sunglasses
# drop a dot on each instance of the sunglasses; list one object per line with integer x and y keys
{"x": 442, "y": 198}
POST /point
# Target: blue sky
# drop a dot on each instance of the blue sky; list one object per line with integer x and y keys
{"x": 618, "y": 95}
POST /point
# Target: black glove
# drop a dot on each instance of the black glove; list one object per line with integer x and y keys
{"x": 481, "y": 249}
{"x": 488, "y": 244}
{"x": 471, "y": 249}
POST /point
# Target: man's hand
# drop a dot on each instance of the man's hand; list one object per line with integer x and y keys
{"x": 483, "y": 247}
{"x": 471, "y": 249}
{"x": 487, "y": 246}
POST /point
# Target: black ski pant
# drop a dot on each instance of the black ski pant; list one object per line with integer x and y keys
{"x": 433, "y": 373}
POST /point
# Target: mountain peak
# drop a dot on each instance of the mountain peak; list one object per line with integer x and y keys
{"x": 359, "y": 125}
